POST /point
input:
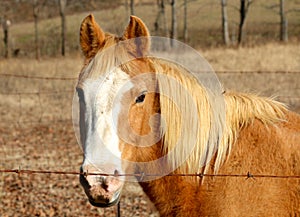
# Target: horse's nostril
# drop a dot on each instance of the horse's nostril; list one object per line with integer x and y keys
{"x": 101, "y": 179}
{"x": 104, "y": 185}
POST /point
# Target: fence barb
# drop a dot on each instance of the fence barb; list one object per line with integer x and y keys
{"x": 140, "y": 176}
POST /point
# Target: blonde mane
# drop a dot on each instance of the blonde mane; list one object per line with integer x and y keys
{"x": 215, "y": 136}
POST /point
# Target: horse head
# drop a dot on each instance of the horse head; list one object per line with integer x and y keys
{"x": 116, "y": 107}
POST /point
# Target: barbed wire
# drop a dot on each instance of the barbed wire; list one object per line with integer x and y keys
{"x": 216, "y": 71}
{"x": 36, "y": 77}
{"x": 38, "y": 92}
{"x": 53, "y": 92}
{"x": 257, "y": 71}
{"x": 141, "y": 176}
{"x": 72, "y": 92}
{"x": 52, "y": 122}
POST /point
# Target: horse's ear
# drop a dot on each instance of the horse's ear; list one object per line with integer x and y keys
{"x": 137, "y": 29}
{"x": 91, "y": 37}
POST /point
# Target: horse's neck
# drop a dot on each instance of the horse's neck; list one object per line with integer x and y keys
{"x": 172, "y": 196}
{"x": 255, "y": 127}
{"x": 258, "y": 148}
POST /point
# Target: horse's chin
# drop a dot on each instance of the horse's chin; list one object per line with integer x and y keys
{"x": 103, "y": 204}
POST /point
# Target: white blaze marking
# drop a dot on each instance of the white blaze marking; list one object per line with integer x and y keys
{"x": 102, "y": 111}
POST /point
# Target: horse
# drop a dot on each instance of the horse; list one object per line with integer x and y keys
{"x": 128, "y": 120}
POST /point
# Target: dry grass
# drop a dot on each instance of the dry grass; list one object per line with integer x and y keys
{"x": 31, "y": 106}
{"x": 268, "y": 57}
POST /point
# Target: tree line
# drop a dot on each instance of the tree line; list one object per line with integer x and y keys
{"x": 161, "y": 20}
{"x": 243, "y": 8}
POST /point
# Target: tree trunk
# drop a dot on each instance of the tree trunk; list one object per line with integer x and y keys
{"x": 173, "y": 22}
{"x": 225, "y": 31}
{"x": 244, "y": 7}
{"x": 132, "y": 7}
{"x": 36, "y": 31}
{"x": 62, "y": 7}
{"x": 5, "y": 26}
{"x": 242, "y": 21}
{"x": 161, "y": 20}
{"x": 185, "y": 29}
{"x": 283, "y": 23}
{"x": 165, "y": 23}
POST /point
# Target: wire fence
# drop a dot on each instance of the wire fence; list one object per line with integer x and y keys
{"x": 35, "y": 77}
{"x": 40, "y": 157}
{"x": 216, "y": 71}
{"x": 141, "y": 176}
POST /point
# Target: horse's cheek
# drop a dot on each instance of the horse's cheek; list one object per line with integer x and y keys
{"x": 139, "y": 120}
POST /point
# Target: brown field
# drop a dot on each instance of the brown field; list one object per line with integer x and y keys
{"x": 36, "y": 131}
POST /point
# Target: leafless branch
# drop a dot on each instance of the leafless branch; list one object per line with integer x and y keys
{"x": 292, "y": 11}
{"x": 189, "y": 1}
{"x": 273, "y": 8}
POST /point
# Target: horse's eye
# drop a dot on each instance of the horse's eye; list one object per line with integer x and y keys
{"x": 140, "y": 98}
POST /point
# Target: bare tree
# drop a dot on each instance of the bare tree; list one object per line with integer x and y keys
{"x": 283, "y": 23}
{"x": 173, "y": 33}
{"x": 36, "y": 31}
{"x": 5, "y": 26}
{"x": 225, "y": 31}
{"x": 62, "y": 7}
{"x": 161, "y": 19}
{"x": 244, "y": 8}
{"x": 132, "y": 7}
{"x": 280, "y": 9}
{"x": 185, "y": 28}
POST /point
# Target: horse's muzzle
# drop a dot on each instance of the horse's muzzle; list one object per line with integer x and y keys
{"x": 105, "y": 204}
{"x": 101, "y": 191}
